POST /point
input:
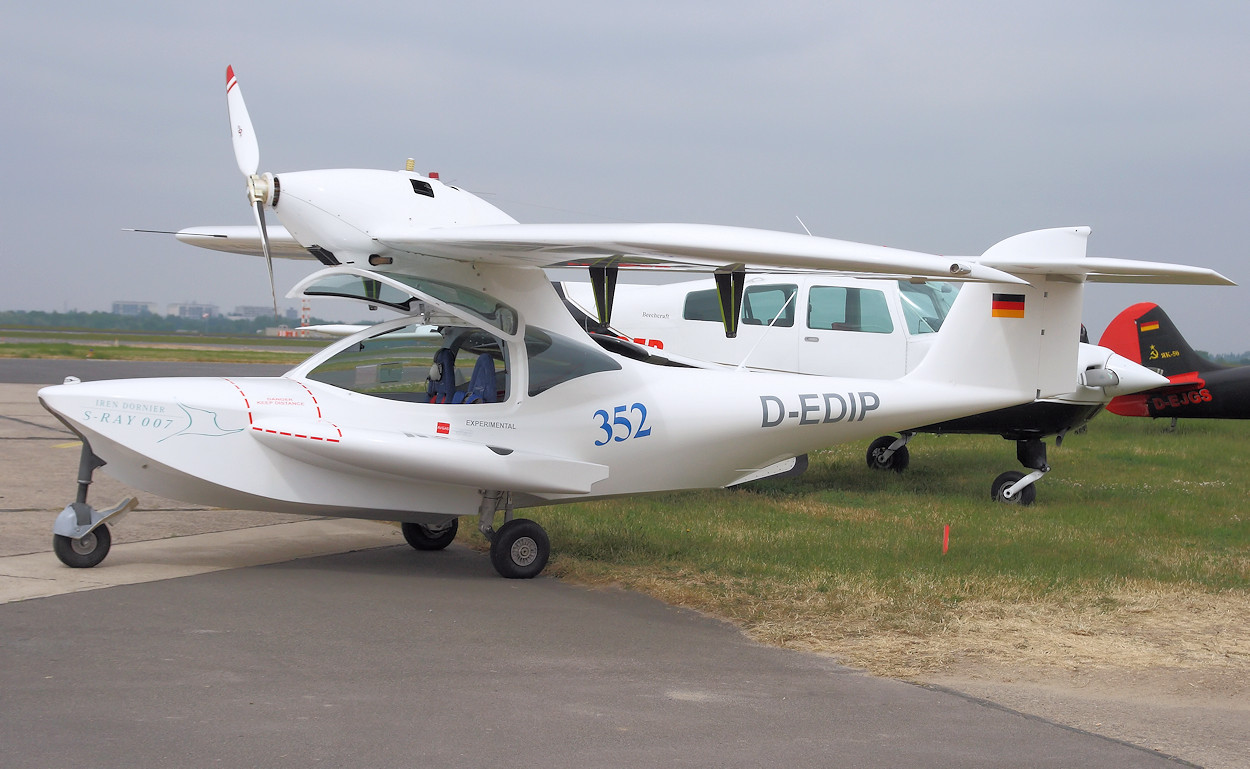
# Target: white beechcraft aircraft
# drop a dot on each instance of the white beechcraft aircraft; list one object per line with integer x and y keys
{"x": 380, "y": 427}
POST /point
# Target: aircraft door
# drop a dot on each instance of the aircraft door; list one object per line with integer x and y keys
{"x": 850, "y": 330}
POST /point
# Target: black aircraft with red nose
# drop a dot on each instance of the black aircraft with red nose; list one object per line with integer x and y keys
{"x": 1200, "y": 388}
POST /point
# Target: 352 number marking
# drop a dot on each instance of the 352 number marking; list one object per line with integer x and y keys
{"x": 619, "y": 427}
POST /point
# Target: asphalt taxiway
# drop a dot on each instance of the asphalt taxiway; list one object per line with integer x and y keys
{"x": 306, "y": 641}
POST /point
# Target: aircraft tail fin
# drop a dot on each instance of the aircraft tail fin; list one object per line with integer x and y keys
{"x": 1145, "y": 334}
{"x": 1039, "y": 324}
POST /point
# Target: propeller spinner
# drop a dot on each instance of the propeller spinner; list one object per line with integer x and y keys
{"x": 247, "y": 155}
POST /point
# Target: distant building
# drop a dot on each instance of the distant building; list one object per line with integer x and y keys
{"x": 253, "y": 311}
{"x": 134, "y": 308}
{"x": 193, "y": 310}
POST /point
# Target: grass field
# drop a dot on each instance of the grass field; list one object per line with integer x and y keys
{"x": 59, "y": 345}
{"x": 1132, "y": 521}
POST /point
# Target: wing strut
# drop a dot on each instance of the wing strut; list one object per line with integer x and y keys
{"x": 603, "y": 282}
{"x": 730, "y": 282}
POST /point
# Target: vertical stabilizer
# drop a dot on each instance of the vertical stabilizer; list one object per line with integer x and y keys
{"x": 1145, "y": 334}
{"x": 1039, "y": 324}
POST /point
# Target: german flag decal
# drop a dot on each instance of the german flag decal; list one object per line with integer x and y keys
{"x": 1007, "y": 306}
{"x": 1149, "y": 326}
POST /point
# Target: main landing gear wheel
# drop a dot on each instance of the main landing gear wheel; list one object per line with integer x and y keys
{"x": 85, "y": 552}
{"x": 424, "y": 537}
{"x": 897, "y": 461}
{"x": 520, "y": 549}
{"x": 1006, "y": 481}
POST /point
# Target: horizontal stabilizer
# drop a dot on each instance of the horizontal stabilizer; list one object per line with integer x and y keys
{"x": 425, "y": 458}
{"x": 1060, "y": 252}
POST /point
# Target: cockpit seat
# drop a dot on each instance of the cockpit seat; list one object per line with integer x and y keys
{"x": 482, "y": 381}
{"x": 441, "y": 384}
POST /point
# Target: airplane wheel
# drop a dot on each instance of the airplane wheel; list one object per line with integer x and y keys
{"x": 1004, "y": 482}
{"x": 898, "y": 460}
{"x": 428, "y": 538}
{"x": 85, "y": 552}
{"x": 520, "y": 549}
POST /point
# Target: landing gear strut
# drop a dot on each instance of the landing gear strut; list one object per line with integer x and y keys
{"x": 520, "y": 549}
{"x": 1013, "y": 486}
{"x": 80, "y": 537}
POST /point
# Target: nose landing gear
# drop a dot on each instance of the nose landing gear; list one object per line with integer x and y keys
{"x": 80, "y": 536}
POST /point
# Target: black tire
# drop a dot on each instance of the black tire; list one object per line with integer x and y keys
{"x": 1004, "y": 482}
{"x": 897, "y": 462}
{"x": 520, "y": 549}
{"x": 86, "y": 552}
{"x": 423, "y": 537}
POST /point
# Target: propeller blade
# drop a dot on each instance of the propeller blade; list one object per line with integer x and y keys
{"x": 246, "y": 149}
{"x": 259, "y": 210}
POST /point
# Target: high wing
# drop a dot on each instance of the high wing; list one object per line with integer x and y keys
{"x": 693, "y": 247}
{"x": 698, "y": 247}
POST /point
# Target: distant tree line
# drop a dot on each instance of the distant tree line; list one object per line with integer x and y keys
{"x": 107, "y": 321}
{"x": 1229, "y": 358}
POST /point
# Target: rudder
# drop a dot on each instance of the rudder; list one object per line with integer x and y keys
{"x": 1145, "y": 334}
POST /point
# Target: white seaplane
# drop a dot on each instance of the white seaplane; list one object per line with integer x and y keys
{"x": 380, "y": 426}
{"x": 839, "y": 325}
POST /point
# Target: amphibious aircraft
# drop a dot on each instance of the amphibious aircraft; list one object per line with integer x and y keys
{"x": 377, "y": 428}
{"x": 1197, "y": 387}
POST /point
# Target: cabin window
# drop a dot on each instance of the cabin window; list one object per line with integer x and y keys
{"x": 482, "y": 306}
{"x": 926, "y": 305}
{"x": 769, "y": 305}
{"x": 760, "y": 305}
{"x": 351, "y": 286}
{"x": 702, "y": 305}
{"x": 399, "y": 365}
{"x": 839, "y": 308}
{"x": 553, "y": 359}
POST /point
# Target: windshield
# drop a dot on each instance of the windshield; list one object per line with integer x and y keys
{"x": 926, "y": 305}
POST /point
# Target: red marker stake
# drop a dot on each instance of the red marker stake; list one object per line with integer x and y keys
{"x": 946, "y": 538}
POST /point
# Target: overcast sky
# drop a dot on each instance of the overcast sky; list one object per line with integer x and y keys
{"x": 939, "y": 127}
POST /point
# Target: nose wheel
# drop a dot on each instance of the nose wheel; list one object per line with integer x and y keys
{"x": 1002, "y": 490}
{"x": 80, "y": 537}
{"x": 1014, "y": 487}
{"x": 889, "y": 453}
{"x": 84, "y": 552}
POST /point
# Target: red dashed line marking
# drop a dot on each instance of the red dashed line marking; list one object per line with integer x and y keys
{"x": 314, "y": 398}
{"x": 297, "y": 435}
{"x": 246, "y": 402}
